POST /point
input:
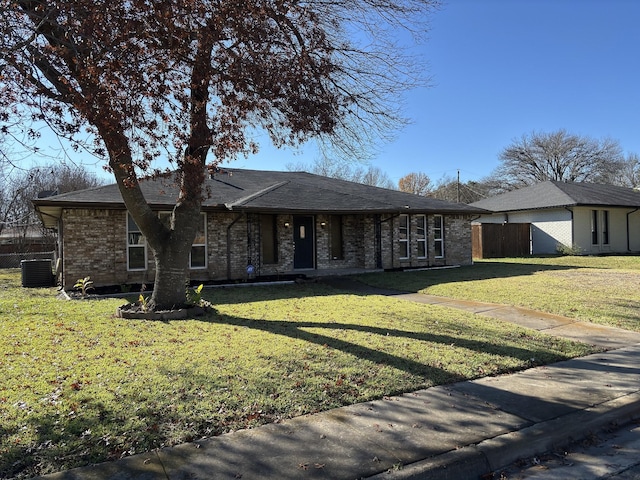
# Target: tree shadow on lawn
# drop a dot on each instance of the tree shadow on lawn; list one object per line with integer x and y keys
{"x": 416, "y": 280}
{"x": 433, "y": 374}
{"x": 61, "y": 442}
{"x": 401, "y": 282}
{"x": 47, "y": 452}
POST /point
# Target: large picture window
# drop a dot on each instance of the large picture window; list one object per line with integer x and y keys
{"x": 438, "y": 236}
{"x": 421, "y": 236}
{"x": 136, "y": 246}
{"x": 403, "y": 238}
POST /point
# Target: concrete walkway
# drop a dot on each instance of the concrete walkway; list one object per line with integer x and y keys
{"x": 457, "y": 432}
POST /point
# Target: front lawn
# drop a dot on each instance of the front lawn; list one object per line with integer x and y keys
{"x": 80, "y": 386}
{"x": 603, "y": 290}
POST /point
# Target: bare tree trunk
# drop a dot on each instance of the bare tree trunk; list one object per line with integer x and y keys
{"x": 170, "y": 244}
{"x": 172, "y": 275}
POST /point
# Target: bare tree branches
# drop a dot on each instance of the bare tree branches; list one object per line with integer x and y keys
{"x": 561, "y": 156}
{"x": 417, "y": 183}
{"x": 327, "y": 167}
{"x": 191, "y": 77}
{"x": 22, "y": 186}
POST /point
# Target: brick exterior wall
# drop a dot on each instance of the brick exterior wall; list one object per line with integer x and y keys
{"x": 95, "y": 244}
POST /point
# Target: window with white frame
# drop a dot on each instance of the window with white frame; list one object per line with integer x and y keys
{"x": 137, "y": 251}
{"x": 595, "y": 233}
{"x": 403, "y": 236}
{"x": 421, "y": 235}
{"x": 438, "y": 236}
{"x": 136, "y": 246}
{"x": 198, "y": 255}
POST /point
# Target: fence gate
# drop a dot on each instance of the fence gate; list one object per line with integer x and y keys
{"x": 495, "y": 240}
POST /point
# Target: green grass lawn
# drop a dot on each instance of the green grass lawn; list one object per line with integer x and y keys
{"x": 80, "y": 386}
{"x": 603, "y": 290}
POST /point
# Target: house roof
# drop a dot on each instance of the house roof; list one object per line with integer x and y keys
{"x": 261, "y": 191}
{"x": 554, "y": 194}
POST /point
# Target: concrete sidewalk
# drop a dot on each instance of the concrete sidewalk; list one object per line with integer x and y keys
{"x": 459, "y": 431}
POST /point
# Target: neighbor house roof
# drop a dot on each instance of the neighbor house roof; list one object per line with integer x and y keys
{"x": 261, "y": 191}
{"x": 555, "y": 194}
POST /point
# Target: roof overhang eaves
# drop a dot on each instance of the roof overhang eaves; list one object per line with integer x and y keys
{"x": 351, "y": 211}
{"x": 528, "y": 209}
{"x": 606, "y": 205}
{"x": 92, "y": 205}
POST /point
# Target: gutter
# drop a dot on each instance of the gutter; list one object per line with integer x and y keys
{"x": 628, "y": 229}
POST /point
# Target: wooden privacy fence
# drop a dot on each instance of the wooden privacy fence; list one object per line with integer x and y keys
{"x": 495, "y": 240}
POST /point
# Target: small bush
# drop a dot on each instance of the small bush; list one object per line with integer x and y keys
{"x": 563, "y": 249}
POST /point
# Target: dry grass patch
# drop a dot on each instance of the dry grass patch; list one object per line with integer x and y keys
{"x": 603, "y": 290}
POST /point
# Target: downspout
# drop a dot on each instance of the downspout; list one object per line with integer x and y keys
{"x": 628, "y": 229}
{"x": 229, "y": 245}
{"x": 60, "y": 262}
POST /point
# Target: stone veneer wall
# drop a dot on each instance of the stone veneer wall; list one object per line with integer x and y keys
{"x": 94, "y": 244}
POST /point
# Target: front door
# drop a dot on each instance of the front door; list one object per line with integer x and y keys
{"x": 303, "y": 242}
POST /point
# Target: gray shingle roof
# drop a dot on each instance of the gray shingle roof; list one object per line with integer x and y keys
{"x": 268, "y": 191}
{"x": 554, "y": 194}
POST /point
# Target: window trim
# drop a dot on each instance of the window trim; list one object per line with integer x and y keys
{"x": 605, "y": 227}
{"x": 203, "y": 215}
{"x": 129, "y": 219}
{"x": 404, "y": 224}
{"x": 421, "y": 223}
{"x": 438, "y": 235}
{"x": 595, "y": 230}
{"x": 600, "y": 232}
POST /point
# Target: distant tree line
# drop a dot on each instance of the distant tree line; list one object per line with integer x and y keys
{"x": 533, "y": 158}
{"x": 17, "y": 215}
{"x": 328, "y": 167}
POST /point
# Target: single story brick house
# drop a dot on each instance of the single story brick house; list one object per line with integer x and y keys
{"x": 588, "y": 218}
{"x": 260, "y": 224}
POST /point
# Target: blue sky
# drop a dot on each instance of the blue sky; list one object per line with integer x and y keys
{"x": 503, "y": 68}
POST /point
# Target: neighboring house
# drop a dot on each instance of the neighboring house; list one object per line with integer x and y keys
{"x": 590, "y": 218}
{"x": 24, "y": 243}
{"x": 259, "y": 224}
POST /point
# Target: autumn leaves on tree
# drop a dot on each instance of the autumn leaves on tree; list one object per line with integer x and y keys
{"x": 195, "y": 80}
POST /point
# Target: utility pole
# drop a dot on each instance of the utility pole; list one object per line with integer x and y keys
{"x": 458, "y": 187}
